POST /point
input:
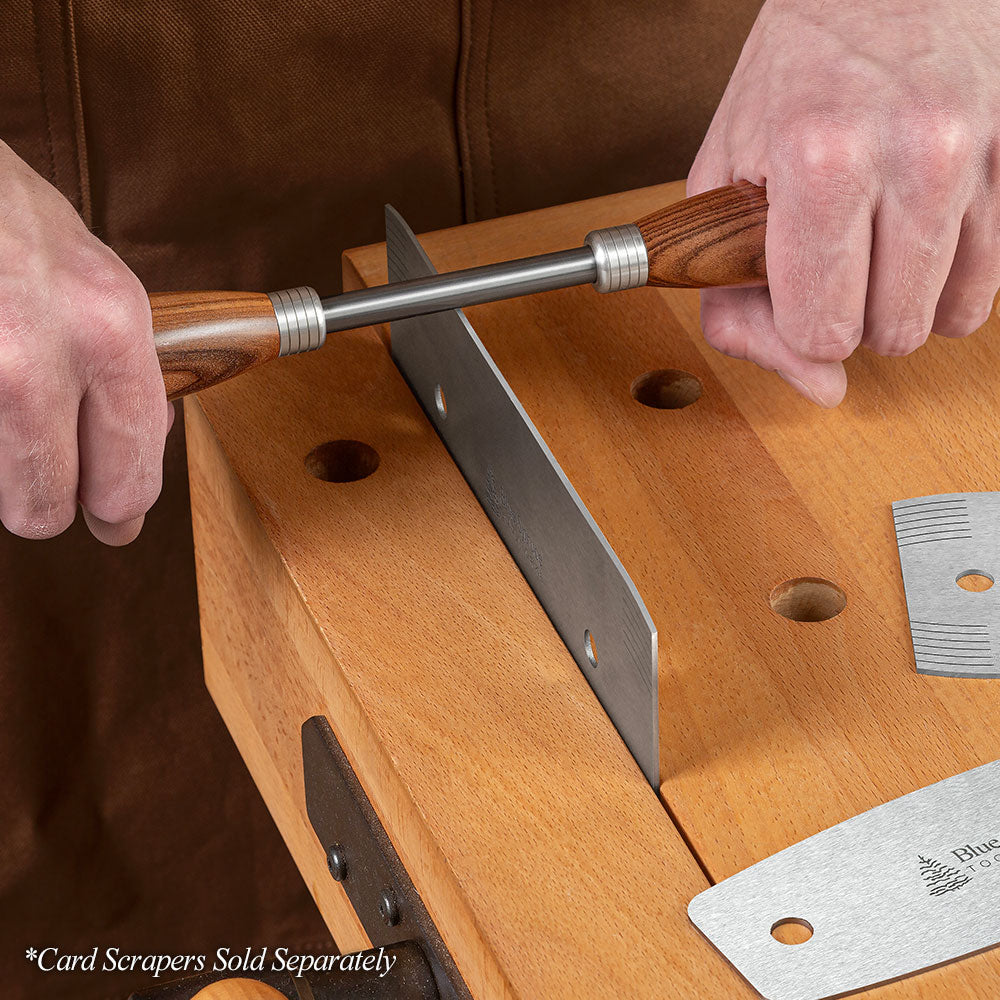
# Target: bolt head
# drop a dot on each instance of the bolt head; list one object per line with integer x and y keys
{"x": 336, "y": 860}
{"x": 388, "y": 908}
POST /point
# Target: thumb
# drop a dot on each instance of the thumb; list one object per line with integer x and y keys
{"x": 739, "y": 322}
{"x": 113, "y": 534}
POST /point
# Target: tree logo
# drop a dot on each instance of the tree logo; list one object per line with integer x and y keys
{"x": 941, "y": 878}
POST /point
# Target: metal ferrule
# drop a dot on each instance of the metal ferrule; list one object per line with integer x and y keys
{"x": 621, "y": 258}
{"x": 301, "y": 322}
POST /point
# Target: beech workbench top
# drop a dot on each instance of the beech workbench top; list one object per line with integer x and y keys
{"x": 390, "y": 605}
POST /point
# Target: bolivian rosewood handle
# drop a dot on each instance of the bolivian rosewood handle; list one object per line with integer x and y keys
{"x": 712, "y": 239}
{"x": 203, "y": 338}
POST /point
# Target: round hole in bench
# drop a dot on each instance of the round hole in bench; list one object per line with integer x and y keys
{"x": 792, "y": 930}
{"x": 975, "y": 580}
{"x": 808, "y": 599}
{"x": 343, "y": 461}
{"x": 666, "y": 389}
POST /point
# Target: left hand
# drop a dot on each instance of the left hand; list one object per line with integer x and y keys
{"x": 875, "y": 128}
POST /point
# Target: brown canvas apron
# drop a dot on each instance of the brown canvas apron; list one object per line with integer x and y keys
{"x": 245, "y": 145}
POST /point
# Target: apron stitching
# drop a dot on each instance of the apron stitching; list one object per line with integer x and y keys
{"x": 76, "y": 99}
{"x": 462, "y": 112}
{"x": 486, "y": 110}
{"x": 45, "y": 96}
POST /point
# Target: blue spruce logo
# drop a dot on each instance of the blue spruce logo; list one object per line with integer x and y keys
{"x": 941, "y": 878}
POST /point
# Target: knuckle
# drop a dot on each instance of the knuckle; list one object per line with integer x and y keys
{"x": 823, "y": 153}
{"x": 126, "y": 309}
{"x": 41, "y": 524}
{"x": 973, "y": 319}
{"x": 123, "y": 511}
{"x": 902, "y": 338}
{"x": 25, "y": 526}
{"x": 942, "y": 144}
{"x": 39, "y": 518}
{"x": 118, "y": 312}
{"x": 992, "y": 163}
{"x": 123, "y": 318}
{"x": 127, "y": 499}
{"x": 17, "y": 310}
{"x": 18, "y": 377}
{"x": 834, "y": 342}
{"x": 983, "y": 315}
{"x": 961, "y": 321}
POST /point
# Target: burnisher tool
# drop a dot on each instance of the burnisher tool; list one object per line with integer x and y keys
{"x": 713, "y": 239}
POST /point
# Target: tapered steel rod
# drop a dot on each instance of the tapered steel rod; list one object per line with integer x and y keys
{"x": 457, "y": 289}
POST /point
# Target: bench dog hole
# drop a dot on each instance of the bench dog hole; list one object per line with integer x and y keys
{"x": 808, "y": 599}
{"x": 666, "y": 389}
{"x": 344, "y": 461}
{"x": 975, "y": 580}
{"x": 792, "y": 930}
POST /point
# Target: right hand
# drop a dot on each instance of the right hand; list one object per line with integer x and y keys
{"x": 876, "y": 130}
{"x": 83, "y": 411}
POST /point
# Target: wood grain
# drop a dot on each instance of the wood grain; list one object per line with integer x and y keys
{"x": 203, "y": 338}
{"x": 714, "y": 238}
{"x": 390, "y": 606}
{"x": 771, "y": 729}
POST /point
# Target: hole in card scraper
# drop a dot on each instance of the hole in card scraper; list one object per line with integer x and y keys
{"x": 792, "y": 930}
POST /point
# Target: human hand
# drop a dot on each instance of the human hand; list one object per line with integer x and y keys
{"x": 874, "y": 127}
{"x": 83, "y": 411}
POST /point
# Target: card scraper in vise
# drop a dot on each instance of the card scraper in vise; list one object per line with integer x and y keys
{"x": 562, "y": 553}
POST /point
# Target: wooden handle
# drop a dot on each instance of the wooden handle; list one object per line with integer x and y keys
{"x": 203, "y": 338}
{"x": 238, "y": 989}
{"x": 712, "y": 239}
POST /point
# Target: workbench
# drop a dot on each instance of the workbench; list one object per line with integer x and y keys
{"x": 364, "y": 584}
